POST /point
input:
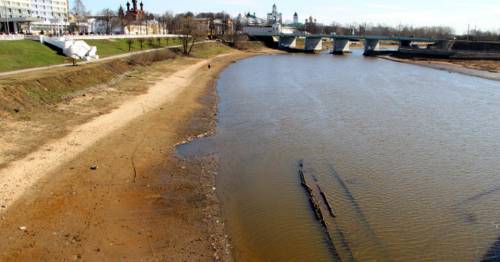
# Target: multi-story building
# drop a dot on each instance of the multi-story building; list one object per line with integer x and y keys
{"x": 33, "y": 16}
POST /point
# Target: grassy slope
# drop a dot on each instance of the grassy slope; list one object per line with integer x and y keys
{"x": 120, "y": 46}
{"x": 208, "y": 50}
{"x": 15, "y": 55}
{"x": 23, "y": 54}
{"x": 35, "y": 90}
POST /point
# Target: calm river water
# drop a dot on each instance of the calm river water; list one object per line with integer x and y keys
{"x": 417, "y": 148}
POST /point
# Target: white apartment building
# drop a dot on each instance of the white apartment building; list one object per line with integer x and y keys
{"x": 33, "y": 16}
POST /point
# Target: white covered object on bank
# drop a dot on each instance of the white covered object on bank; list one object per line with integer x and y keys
{"x": 73, "y": 48}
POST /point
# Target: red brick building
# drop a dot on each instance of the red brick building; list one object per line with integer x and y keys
{"x": 134, "y": 13}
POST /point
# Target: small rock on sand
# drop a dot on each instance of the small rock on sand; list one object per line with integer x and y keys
{"x": 23, "y": 228}
{"x": 93, "y": 167}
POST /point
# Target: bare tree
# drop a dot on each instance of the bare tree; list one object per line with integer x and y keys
{"x": 80, "y": 12}
{"x": 167, "y": 19}
{"x": 190, "y": 33}
{"x": 107, "y": 16}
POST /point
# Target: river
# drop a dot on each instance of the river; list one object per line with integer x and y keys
{"x": 409, "y": 156}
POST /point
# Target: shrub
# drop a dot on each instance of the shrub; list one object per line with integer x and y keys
{"x": 151, "y": 57}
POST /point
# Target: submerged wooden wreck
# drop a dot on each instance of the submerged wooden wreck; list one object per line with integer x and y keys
{"x": 362, "y": 245}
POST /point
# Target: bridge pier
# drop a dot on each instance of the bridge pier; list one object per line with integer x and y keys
{"x": 372, "y": 46}
{"x": 341, "y": 46}
{"x": 314, "y": 44}
{"x": 288, "y": 42}
{"x": 268, "y": 40}
{"x": 405, "y": 44}
{"x": 342, "y": 43}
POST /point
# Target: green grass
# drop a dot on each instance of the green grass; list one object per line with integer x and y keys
{"x": 112, "y": 47}
{"x": 208, "y": 50}
{"x": 22, "y": 54}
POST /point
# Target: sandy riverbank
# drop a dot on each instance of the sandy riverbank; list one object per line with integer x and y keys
{"x": 112, "y": 188}
{"x": 484, "y": 69}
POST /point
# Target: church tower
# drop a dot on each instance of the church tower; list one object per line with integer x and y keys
{"x": 295, "y": 18}
{"x": 274, "y": 16}
{"x": 134, "y": 4}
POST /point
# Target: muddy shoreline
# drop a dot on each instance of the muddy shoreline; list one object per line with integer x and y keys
{"x": 128, "y": 196}
{"x": 452, "y": 67}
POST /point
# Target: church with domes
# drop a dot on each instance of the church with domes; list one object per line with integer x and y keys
{"x": 137, "y": 21}
{"x": 134, "y": 12}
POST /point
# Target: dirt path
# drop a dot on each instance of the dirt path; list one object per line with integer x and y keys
{"x": 21, "y": 175}
{"x": 112, "y": 189}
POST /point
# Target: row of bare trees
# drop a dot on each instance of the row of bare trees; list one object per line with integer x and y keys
{"x": 400, "y": 30}
{"x": 383, "y": 30}
{"x": 480, "y": 35}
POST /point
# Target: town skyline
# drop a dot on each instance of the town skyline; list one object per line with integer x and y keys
{"x": 460, "y": 15}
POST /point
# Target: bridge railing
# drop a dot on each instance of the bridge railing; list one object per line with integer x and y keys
{"x": 351, "y": 37}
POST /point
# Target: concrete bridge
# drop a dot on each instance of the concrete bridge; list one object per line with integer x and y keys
{"x": 341, "y": 43}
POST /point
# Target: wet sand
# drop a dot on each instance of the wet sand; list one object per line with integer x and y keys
{"x": 113, "y": 188}
{"x": 483, "y": 69}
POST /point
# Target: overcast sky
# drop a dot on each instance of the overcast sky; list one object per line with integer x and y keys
{"x": 485, "y": 14}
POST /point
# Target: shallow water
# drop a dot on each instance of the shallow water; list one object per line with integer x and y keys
{"x": 416, "y": 152}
